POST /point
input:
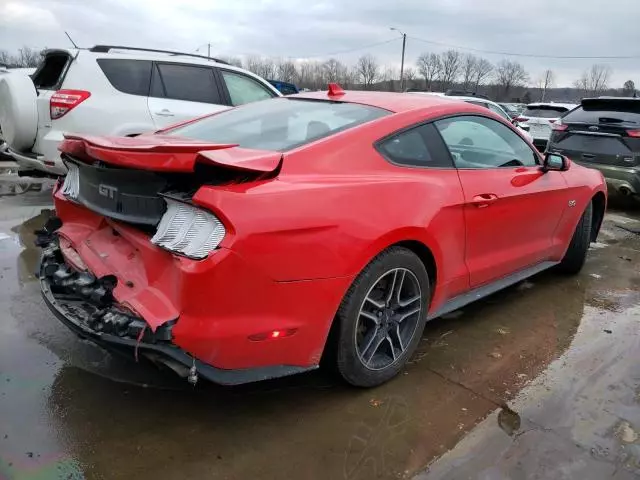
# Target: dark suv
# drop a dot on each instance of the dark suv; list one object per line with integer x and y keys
{"x": 603, "y": 133}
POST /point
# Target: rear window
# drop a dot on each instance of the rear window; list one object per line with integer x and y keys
{"x": 544, "y": 111}
{"x": 606, "y": 111}
{"x": 49, "y": 75}
{"x": 279, "y": 124}
{"x": 128, "y": 76}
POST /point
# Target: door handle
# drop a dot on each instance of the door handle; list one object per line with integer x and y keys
{"x": 165, "y": 113}
{"x": 484, "y": 200}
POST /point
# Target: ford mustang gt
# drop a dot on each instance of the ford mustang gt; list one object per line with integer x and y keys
{"x": 254, "y": 242}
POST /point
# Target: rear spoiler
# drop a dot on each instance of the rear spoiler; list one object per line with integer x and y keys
{"x": 629, "y": 104}
{"x": 161, "y": 153}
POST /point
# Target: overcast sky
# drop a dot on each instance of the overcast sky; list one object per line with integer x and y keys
{"x": 294, "y": 28}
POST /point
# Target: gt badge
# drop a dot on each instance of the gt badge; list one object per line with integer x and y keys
{"x": 572, "y": 203}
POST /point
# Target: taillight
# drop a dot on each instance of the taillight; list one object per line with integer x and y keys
{"x": 558, "y": 126}
{"x": 71, "y": 185}
{"x": 188, "y": 230}
{"x": 64, "y": 101}
{"x": 522, "y": 119}
{"x": 634, "y": 133}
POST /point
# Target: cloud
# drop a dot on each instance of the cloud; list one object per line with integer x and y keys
{"x": 290, "y": 28}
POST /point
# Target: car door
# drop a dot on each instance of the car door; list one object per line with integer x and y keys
{"x": 180, "y": 92}
{"x": 420, "y": 152}
{"x": 511, "y": 206}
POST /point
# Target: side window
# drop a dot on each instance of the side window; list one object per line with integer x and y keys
{"x": 128, "y": 76}
{"x": 243, "y": 89}
{"x": 479, "y": 142}
{"x": 419, "y": 147}
{"x": 186, "y": 82}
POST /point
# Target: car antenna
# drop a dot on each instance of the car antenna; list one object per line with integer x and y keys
{"x": 71, "y": 40}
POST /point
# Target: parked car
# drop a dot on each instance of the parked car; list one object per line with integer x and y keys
{"x": 109, "y": 90}
{"x": 538, "y": 118}
{"x": 603, "y": 133}
{"x": 512, "y": 109}
{"x": 251, "y": 243}
{"x": 284, "y": 88}
{"x": 483, "y": 101}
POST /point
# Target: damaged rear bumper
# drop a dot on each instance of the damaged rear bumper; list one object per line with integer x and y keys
{"x": 85, "y": 305}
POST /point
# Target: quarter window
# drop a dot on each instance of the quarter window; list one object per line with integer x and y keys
{"x": 243, "y": 89}
{"x": 419, "y": 147}
{"x": 127, "y": 76}
{"x": 480, "y": 142}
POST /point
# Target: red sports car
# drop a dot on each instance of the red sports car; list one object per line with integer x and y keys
{"x": 255, "y": 242}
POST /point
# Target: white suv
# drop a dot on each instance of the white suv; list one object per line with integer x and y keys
{"x": 539, "y": 117}
{"x": 109, "y": 90}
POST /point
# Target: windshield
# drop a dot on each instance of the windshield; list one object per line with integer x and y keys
{"x": 279, "y": 124}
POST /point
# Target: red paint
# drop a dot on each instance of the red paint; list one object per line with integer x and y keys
{"x": 335, "y": 90}
{"x": 296, "y": 242}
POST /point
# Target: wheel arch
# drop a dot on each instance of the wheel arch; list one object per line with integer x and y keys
{"x": 423, "y": 251}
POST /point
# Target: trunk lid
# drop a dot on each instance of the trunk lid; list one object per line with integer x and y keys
{"x": 126, "y": 178}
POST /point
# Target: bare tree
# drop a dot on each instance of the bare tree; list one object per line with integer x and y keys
{"x": 389, "y": 75}
{"x": 306, "y": 74}
{"x": 254, "y": 64}
{"x": 483, "y": 69}
{"x": 410, "y": 77}
{"x": 451, "y": 62}
{"x": 27, "y": 57}
{"x": 595, "y": 80}
{"x": 367, "y": 70}
{"x": 235, "y": 61}
{"x": 545, "y": 82}
{"x": 509, "y": 75}
{"x": 334, "y": 71}
{"x": 286, "y": 71}
{"x": 468, "y": 70}
{"x": 629, "y": 88}
{"x": 429, "y": 65}
{"x": 6, "y": 58}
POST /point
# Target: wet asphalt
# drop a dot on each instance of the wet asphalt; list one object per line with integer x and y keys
{"x": 539, "y": 381}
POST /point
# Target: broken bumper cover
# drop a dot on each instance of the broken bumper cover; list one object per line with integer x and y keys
{"x": 84, "y": 304}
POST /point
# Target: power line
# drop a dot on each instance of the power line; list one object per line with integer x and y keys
{"x": 530, "y": 55}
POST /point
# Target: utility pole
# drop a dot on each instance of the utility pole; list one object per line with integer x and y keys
{"x": 404, "y": 44}
{"x": 208, "y": 50}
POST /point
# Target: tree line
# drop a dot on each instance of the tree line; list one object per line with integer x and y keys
{"x": 505, "y": 80}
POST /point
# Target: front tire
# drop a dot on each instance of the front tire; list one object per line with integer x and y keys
{"x": 382, "y": 317}
{"x": 576, "y": 255}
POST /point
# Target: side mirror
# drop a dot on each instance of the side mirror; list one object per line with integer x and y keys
{"x": 555, "y": 162}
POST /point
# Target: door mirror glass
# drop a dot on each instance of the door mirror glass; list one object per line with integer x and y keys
{"x": 555, "y": 162}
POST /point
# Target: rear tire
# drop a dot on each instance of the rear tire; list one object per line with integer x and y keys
{"x": 381, "y": 318}
{"x": 576, "y": 255}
